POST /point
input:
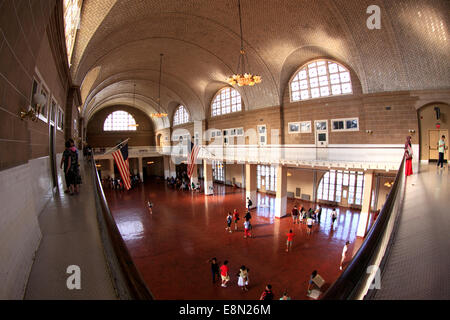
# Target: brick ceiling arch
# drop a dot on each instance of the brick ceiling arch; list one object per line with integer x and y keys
{"x": 200, "y": 40}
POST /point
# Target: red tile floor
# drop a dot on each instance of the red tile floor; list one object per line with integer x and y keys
{"x": 171, "y": 246}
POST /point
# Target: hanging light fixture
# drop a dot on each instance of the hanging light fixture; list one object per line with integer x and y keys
{"x": 134, "y": 105}
{"x": 241, "y": 77}
{"x": 159, "y": 114}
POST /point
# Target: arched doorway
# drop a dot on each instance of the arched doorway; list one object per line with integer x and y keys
{"x": 158, "y": 140}
{"x": 434, "y": 122}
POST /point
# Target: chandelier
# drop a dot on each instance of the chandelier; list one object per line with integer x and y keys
{"x": 159, "y": 114}
{"x": 241, "y": 77}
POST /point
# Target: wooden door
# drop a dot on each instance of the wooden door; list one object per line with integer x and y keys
{"x": 433, "y": 138}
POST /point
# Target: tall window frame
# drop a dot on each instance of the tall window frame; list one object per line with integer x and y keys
{"x": 269, "y": 173}
{"x": 331, "y": 185}
{"x": 119, "y": 120}
{"x": 320, "y": 78}
{"x": 180, "y": 116}
{"x": 72, "y": 17}
{"x": 227, "y": 100}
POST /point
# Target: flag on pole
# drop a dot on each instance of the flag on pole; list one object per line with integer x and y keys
{"x": 121, "y": 158}
{"x": 192, "y": 159}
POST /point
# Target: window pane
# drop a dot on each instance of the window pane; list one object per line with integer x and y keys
{"x": 320, "y": 74}
{"x": 228, "y": 100}
{"x": 119, "y": 121}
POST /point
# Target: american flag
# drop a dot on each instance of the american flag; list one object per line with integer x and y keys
{"x": 121, "y": 158}
{"x": 192, "y": 159}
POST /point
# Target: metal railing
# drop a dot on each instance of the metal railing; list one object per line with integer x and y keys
{"x": 358, "y": 277}
{"x": 126, "y": 277}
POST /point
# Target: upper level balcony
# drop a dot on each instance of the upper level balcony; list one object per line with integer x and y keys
{"x": 375, "y": 157}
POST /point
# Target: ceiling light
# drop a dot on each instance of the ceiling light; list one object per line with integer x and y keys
{"x": 159, "y": 114}
{"x": 242, "y": 77}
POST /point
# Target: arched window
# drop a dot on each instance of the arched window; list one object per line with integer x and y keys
{"x": 331, "y": 186}
{"x": 120, "y": 121}
{"x": 320, "y": 78}
{"x": 227, "y": 100}
{"x": 181, "y": 116}
{"x": 72, "y": 10}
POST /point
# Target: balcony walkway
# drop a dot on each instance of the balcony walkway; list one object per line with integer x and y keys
{"x": 418, "y": 264}
{"x": 70, "y": 236}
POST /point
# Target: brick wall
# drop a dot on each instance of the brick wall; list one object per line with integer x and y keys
{"x": 143, "y": 136}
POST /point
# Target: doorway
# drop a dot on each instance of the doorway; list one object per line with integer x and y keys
{"x": 434, "y": 136}
{"x": 52, "y": 155}
{"x": 434, "y": 121}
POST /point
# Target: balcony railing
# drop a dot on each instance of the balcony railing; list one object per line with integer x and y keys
{"x": 127, "y": 279}
{"x": 358, "y": 277}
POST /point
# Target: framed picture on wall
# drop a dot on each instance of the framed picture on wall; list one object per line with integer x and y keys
{"x": 294, "y": 127}
{"x": 305, "y": 127}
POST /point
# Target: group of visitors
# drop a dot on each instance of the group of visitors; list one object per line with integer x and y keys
{"x": 235, "y": 216}
{"x": 71, "y": 168}
{"x": 118, "y": 184}
{"x": 242, "y": 279}
{"x": 182, "y": 183}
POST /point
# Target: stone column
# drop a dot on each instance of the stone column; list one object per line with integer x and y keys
{"x": 111, "y": 168}
{"x": 194, "y": 178}
{"x": 166, "y": 161}
{"x": 172, "y": 168}
{"x": 251, "y": 183}
{"x": 208, "y": 178}
{"x": 367, "y": 199}
{"x": 281, "y": 199}
{"x": 141, "y": 169}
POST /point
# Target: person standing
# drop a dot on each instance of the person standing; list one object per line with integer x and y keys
{"x": 229, "y": 220}
{"x": 408, "y": 156}
{"x": 247, "y": 216}
{"x": 247, "y": 228}
{"x": 295, "y": 214}
{"x": 150, "y": 207}
{"x": 319, "y": 213}
{"x": 309, "y": 223}
{"x": 344, "y": 252}
{"x": 267, "y": 293}
{"x": 249, "y": 203}
{"x": 236, "y": 218}
{"x": 66, "y": 161}
{"x": 224, "y": 274}
{"x": 290, "y": 237}
{"x": 214, "y": 269}
{"x": 441, "y": 148}
{"x": 333, "y": 217}
{"x": 243, "y": 278}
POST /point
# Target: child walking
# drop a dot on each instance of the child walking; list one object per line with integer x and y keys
{"x": 290, "y": 236}
{"x": 236, "y": 218}
{"x": 243, "y": 278}
{"x": 247, "y": 228}
{"x": 229, "y": 219}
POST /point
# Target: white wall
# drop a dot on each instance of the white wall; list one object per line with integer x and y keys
{"x": 24, "y": 191}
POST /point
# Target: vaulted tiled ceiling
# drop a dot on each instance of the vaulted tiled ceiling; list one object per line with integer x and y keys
{"x": 119, "y": 44}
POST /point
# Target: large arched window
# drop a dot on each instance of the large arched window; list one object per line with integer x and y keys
{"x": 320, "y": 78}
{"x": 181, "y": 116}
{"x": 120, "y": 121}
{"x": 227, "y": 100}
{"x": 72, "y": 10}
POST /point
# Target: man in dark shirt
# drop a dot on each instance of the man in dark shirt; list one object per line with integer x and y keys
{"x": 267, "y": 294}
